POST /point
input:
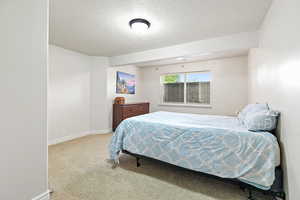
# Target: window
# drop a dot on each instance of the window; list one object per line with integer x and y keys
{"x": 186, "y": 88}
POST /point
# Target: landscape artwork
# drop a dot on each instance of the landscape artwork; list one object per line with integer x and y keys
{"x": 125, "y": 83}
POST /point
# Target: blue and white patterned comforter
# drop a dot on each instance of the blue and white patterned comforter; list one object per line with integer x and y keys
{"x": 216, "y": 145}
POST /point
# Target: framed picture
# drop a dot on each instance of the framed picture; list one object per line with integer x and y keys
{"x": 125, "y": 83}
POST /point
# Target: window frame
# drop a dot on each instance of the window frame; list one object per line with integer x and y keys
{"x": 185, "y": 103}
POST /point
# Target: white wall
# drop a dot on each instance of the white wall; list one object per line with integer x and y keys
{"x": 229, "y": 85}
{"x": 23, "y": 110}
{"x": 77, "y": 100}
{"x": 274, "y": 78}
{"x": 111, "y": 86}
{"x": 81, "y": 93}
{"x": 69, "y": 94}
{"x": 99, "y": 102}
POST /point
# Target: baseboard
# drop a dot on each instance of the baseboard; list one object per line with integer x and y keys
{"x": 43, "y": 196}
{"x": 104, "y": 131}
{"x": 68, "y": 138}
{"x": 72, "y": 137}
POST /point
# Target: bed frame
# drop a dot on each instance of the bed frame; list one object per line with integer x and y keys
{"x": 275, "y": 191}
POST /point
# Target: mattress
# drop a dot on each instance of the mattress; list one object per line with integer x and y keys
{"x": 216, "y": 145}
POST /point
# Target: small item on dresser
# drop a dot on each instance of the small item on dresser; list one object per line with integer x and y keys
{"x": 119, "y": 100}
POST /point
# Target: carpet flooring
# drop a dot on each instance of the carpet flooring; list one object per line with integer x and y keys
{"x": 78, "y": 171}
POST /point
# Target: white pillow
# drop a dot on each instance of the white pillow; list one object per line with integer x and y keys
{"x": 252, "y": 108}
{"x": 261, "y": 121}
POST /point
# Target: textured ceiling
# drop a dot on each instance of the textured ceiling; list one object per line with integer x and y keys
{"x": 100, "y": 27}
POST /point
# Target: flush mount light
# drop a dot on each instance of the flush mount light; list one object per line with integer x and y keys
{"x": 180, "y": 58}
{"x": 139, "y": 25}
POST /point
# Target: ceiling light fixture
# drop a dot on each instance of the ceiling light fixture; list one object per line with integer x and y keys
{"x": 139, "y": 25}
{"x": 180, "y": 58}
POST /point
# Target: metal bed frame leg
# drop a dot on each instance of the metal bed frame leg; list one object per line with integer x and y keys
{"x": 242, "y": 187}
{"x": 273, "y": 195}
{"x": 138, "y": 164}
{"x": 250, "y": 196}
{"x": 280, "y": 195}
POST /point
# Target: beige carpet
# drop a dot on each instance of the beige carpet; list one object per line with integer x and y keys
{"x": 78, "y": 171}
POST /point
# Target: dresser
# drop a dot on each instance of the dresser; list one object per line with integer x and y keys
{"x": 123, "y": 111}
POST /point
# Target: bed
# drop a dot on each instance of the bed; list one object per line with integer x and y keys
{"x": 211, "y": 144}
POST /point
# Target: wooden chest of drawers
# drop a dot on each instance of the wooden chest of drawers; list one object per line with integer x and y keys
{"x": 123, "y": 111}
